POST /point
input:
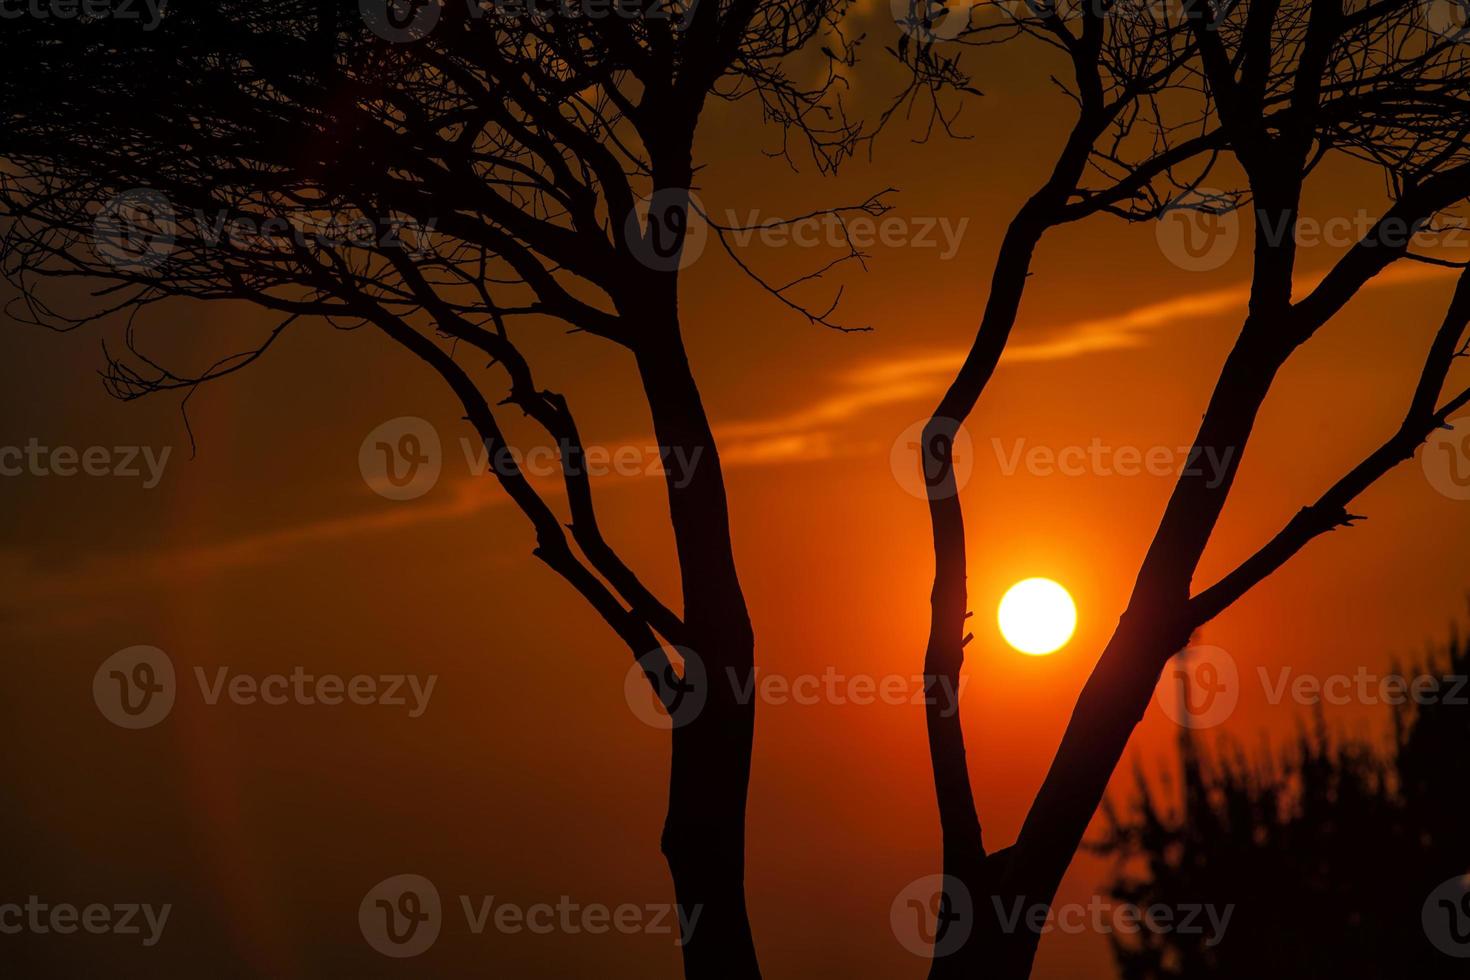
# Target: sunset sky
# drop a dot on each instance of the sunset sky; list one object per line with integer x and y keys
{"x": 528, "y": 777}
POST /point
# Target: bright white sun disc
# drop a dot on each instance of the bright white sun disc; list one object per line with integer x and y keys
{"x": 1037, "y": 616}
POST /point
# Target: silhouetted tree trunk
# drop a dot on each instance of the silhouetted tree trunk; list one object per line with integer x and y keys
{"x": 704, "y": 835}
{"x": 520, "y": 143}
{"x": 1278, "y": 87}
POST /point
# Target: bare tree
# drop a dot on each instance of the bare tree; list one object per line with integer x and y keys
{"x": 1280, "y": 86}
{"x": 455, "y": 176}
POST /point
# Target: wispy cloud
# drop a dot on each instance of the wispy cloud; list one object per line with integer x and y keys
{"x": 922, "y": 375}
{"x": 809, "y": 432}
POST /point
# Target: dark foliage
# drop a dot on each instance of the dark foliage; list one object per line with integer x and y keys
{"x": 1327, "y": 849}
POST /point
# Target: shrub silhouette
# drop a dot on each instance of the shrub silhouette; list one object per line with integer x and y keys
{"x": 1327, "y": 849}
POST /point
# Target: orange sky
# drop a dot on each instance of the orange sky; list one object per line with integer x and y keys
{"x": 528, "y": 777}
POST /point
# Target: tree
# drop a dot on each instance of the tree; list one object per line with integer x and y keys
{"x": 1277, "y": 86}
{"x": 1325, "y": 851}
{"x": 452, "y": 175}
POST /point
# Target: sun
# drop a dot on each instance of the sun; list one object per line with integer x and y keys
{"x": 1037, "y": 616}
